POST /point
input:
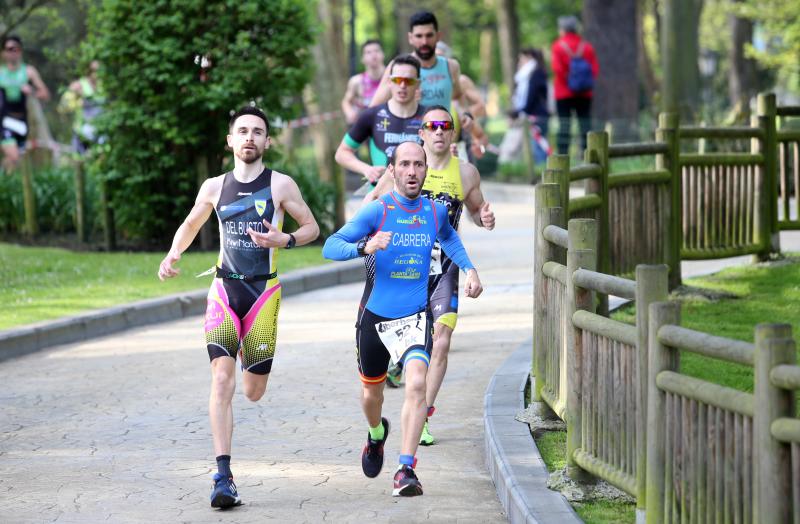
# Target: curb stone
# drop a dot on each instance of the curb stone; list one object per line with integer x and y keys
{"x": 515, "y": 465}
{"x": 20, "y": 341}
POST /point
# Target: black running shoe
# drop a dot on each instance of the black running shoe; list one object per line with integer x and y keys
{"x": 406, "y": 483}
{"x": 372, "y": 455}
{"x": 224, "y": 494}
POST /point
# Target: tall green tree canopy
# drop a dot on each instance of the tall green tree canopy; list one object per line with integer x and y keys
{"x": 173, "y": 71}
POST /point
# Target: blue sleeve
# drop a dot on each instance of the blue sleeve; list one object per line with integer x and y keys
{"x": 342, "y": 244}
{"x": 450, "y": 241}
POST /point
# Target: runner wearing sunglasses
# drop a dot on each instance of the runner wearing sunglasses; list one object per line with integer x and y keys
{"x": 440, "y": 75}
{"x": 385, "y": 126}
{"x": 455, "y": 184}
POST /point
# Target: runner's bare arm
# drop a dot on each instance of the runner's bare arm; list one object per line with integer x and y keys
{"x": 346, "y": 157}
{"x": 472, "y": 97}
{"x": 384, "y": 92}
{"x": 42, "y": 93}
{"x": 385, "y": 185}
{"x": 478, "y": 208}
{"x": 349, "y": 107}
{"x": 203, "y": 206}
{"x": 289, "y": 197}
{"x": 455, "y": 75}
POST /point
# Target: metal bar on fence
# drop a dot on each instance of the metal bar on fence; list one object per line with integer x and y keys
{"x": 708, "y": 345}
{"x": 788, "y": 111}
{"x": 637, "y": 149}
{"x": 719, "y": 252}
{"x": 605, "y": 471}
{"x": 555, "y": 271}
{"x": 788, "y": 135}
{"x": 786, "y": 429}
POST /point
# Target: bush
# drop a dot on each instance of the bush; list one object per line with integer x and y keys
{"x": 173, "y": 75}
{"x": 54, "y": 189}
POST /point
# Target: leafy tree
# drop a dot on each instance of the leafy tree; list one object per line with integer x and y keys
{"x": 779, "y": 22}
{"x": 173, "y": 71}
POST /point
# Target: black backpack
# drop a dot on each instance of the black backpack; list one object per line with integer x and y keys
{"x": 580, "y": 78}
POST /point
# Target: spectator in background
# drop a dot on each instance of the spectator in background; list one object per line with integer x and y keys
{"x": 17, "y": 81}
{"x": 362, "y": 86}
{"x": 84, "y": 100}
{"x": 574, "y": 68}
{"x": 535, "y": 102}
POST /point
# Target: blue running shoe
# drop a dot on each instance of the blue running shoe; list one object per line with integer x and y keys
{"x": 372, "y": 454}
{"x": 224, "y": 494}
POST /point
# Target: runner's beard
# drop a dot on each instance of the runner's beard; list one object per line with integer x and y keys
{"x": 425, "y": 52}
{"x": 248, "y": 156}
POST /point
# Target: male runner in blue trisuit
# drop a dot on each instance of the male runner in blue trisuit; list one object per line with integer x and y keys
{"x": 395, "y": 322}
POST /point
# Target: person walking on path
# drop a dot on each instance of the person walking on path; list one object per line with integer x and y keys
{"x": 396, "y": 322}
{"x": 455, "y": 184}
{"x": 18, "y": 80}
{"x": 361, "y": 87}
{"x": 244, "y": 299}
{"x": 385, "y": 125}
{"x": 532, "y": 100}
{"x": 574, "y": 69}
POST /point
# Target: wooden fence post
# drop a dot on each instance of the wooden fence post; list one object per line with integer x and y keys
{"x": 661, "y": 358}
{"x": 651, "y": 286}
{"x": 773, "y": 482}
{"x": 581, "y": 254}
{"x": 81, "y": 229}
{"x": 667, "y": 132}
{"x": 28, "y": 195}
{"x": 559, "y": 167}
{"x": 597, "y": 153}
{"x": 767, "y": 121}
{"x": 547, "y": 212}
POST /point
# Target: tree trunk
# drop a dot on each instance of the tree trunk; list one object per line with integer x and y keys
{"x": 741, "y": 85}
{"x": 326, "y": 95}
{"x": 508, "y": 36}
{"x": 610, "y": 26}
{"x": 680, "y": 51}
{"x": 403, "y": 9}
{"x": 647, "y": 77}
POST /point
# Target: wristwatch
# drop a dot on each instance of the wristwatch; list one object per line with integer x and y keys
{"x": 361, "y": 245}
{"x": 292, "y": 241}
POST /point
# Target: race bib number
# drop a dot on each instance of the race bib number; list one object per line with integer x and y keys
{"x": 401, "y": 334}
{"x": 16, "y": 126}
{"x": 436, "y": 259}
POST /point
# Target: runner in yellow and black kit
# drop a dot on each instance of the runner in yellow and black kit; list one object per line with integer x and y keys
{"x": 243, "y": 302}
{"x": 455, "y": 184}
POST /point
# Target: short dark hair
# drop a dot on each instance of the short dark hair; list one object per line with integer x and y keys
{"x": 12, "y": 38}
{"x": 408, "y": 60}
{"x": 249, "y": 110}
{"x": 423, "y": 18}
{"x": 370, "y": 42}
{"x": 437, "y": 107}
{"x": 393, "y": 156}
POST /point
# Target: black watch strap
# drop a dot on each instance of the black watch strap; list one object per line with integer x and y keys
{"x": 361, "y": 245}
{"x": 292, "y": 241}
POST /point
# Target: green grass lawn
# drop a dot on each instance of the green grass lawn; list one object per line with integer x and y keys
{"x": 764, "y": 293}
{"x": 47, "y": 283}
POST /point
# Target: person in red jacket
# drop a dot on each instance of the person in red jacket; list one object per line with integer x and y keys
{"x": 574, "y": 69}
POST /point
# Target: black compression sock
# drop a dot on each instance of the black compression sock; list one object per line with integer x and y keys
{"x": 224, "y": 466}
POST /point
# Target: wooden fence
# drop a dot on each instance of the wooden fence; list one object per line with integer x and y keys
{"x": 686, "y": 449}
{"x": 692, "y": 204}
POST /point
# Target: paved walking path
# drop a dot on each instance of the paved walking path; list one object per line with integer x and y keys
{"x": 115, "y": 429}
